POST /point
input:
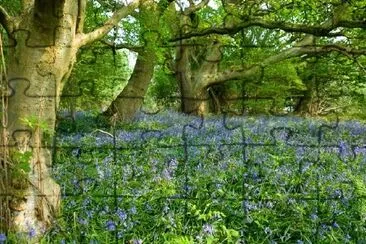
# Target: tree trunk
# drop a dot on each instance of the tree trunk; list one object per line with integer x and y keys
{"x": 44, "y": 40}
{"x": 130, "y": 100}
{"x": 308, "y": 103}
{"x": 193, "y": 72}
{"x": 40, "y": 59}
{"x": 195, "y": 102}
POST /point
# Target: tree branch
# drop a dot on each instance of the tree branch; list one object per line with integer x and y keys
{"x": 347, "y": 51}
{"x": 85, "y": 39}
{"x": 353, "y": 24}
{"x": 123, "y": 46}
{"x": 6, "y": 20}
{"x": 286, "y": 54}
{"x": 81, "y": 16}
{"x": 316, "y": 30}
{"x": 323, "y": 29}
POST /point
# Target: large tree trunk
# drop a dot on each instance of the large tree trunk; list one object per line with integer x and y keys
{"x": 194, "y": 101}
{"x": 44, "y": 42}
{"x": 193, "y": 71}
{"x": 308, "y": 104}
{"x": 130, "y": 100}
{"x": 40, "y": 59}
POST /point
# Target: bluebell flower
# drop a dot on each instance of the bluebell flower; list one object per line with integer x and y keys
{"x": 120, "y": 234}
{"x": 313, "y": 217}
{"x": 110, "y": 225}
{"x": 86, "y": 202}
{"x": 291, "y": 201}
{"x": 167, "y": 174}
{"x": 208, "y": 229}
{"x": 2, "y": 238}
{"x": 343, "y": 148}
{"x": 121, "y": 214}
{"x": 90, "y": 213}
{"x": 83, "y": 221}
{"x": 249, "y": 206}
{"x": 148, "y": 207}
{"x": 31, "y": 233}
{"x": 136, "y": 241}
{"x": 133, "y": 210}
{"x": 337, "y": 193}
{"x": 269, "y": 204}
{"x": 360, "y": 150}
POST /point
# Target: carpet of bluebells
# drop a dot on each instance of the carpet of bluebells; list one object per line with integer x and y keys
{"x": 173, "y": 178}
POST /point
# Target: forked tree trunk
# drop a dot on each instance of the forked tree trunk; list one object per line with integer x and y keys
{"x": 308, "y": 103}
{"x": 44, "y": 41}
{"x": 194, "y": 78}
{"x": 194, "y": 100}
{"x": 130, "y": 100}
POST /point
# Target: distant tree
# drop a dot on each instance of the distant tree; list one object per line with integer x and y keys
{"x": 307, "y": 29}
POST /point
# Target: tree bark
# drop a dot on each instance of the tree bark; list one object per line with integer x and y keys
{"x": 130, "y": 100}
{"x": 40, "y": 60}
{"x": 44, "y": 41}
{"x": 194, "y": 68}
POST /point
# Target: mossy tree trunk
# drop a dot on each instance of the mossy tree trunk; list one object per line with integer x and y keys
{"x": 44, "y": 41}
{"x": 193, "y": 71}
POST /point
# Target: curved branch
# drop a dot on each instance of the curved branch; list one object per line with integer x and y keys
{"x": 6, "y": 20}
{"x": 85, "y": 39}
{"x": 323, "y": 29}
{"x": 316, "y": 30}
{"x": 297, "y": 51}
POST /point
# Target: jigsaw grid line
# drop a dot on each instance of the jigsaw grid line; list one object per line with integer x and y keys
{"x": 244, "y": 146}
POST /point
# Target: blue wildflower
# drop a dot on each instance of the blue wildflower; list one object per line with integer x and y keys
{"x": 337, "y": 193}
{"x": 136, "y": 241}
{"x": 89, "y": 213}
{"x": 83, "y": 221}
{"x": 121, "y": 214}
{"x": 110, "y": 225}
{"x": 2, "y": 237}
{"x": 335, "y": 225}
{"x": 31, "y": 233}
{"x": 133, "y": 210}
{"x": 313, "y": 217}
{"x": 208, "y": 229}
